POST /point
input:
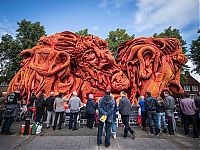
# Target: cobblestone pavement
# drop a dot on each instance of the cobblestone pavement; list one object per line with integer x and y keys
{"x": 86, "y": 139}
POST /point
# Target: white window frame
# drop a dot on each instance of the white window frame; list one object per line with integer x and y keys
{"x": 195, "y": 88}
{"x": 193, "y": 96}
{"x": 186, "y": 87}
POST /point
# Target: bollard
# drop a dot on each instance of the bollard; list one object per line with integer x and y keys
{"x": 27, "y": 126}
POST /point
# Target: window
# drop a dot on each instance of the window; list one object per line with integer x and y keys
{"x": 194, "y": 88}
{"x": 186, "y": 88}
{"x": 193, "y": 96}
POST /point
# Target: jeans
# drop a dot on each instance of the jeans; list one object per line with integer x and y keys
{"x": 187, "y": 119}
{"x": 152, "y": 115}
{"x": 107, "y": 130}
{"x": 38, "y": 116}
{"x": 171, "y": 122}
{"x": 6, "y": 125}
{"x": 144, "y": 118}
{"x": 114, "y": 127}
{"x": 49, "y": 114}
{"x": 60, "y": 120}
{"x": 73, "y": 120}
{"x": 161, "y": 117}
{"x": 125, "y": 121}
{"x": 90, "y": 120}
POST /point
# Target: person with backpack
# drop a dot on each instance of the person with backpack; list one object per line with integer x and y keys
{"x": 90, "y": 110}
{"x": 11, "y": 111}
{"x": 161, "y": 115}
{"x": 125, "y": 111}
{"x": 169, "y": 104}
{"x": 50, "y": 112}
{"x": 151, "y": 105}
{"x": 40, "y": 107}
{"x": 105, "y": 116}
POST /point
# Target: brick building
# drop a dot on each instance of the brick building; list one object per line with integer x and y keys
{"x": 191, "y": 86}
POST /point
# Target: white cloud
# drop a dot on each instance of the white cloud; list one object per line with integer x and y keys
{"x": 153, "y": 16}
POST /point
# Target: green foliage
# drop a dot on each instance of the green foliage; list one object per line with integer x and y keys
{"x": 27, "y": 36}
{"x": 194, "y": 53}
{"x": 115, "y": 38}
{"x": 83, "y": 32}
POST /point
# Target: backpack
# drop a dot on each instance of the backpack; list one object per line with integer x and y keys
{"x": 151, "y": 104}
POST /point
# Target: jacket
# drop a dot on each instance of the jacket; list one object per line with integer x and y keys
{"x": 40, "y": 104}
{"x": 32, "y": 100}
{"x": 188, "y": 106}
{"x": 106, "y": 107}
{"x": 161, "y": 107}
{"x": 197, "y": 102}
{"x": 58, "y": 104}
{"x": 115, "y": 110}
{"x": 150, "y": 104}
{"x": 49, "y": 103}
{"x": 11, "y": 110}
{"x": 90, "y": 106}
{"x": 74, "y": 104}
{"x": 169, "y": 103}
{"x": 141, "y": 103}
{"x": 125, "y": 106}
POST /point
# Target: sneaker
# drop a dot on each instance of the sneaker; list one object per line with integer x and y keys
{"x": 133, "y": 135}
{"x": 114, "y": 135}
{"x": 75, "y": 129}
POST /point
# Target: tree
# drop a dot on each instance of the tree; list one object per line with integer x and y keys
{"x": 115, "y": 38}
{"x": 175, "y": 33}
{"x": 172, "y": 33}
{"x": 194, "y": 53}
{"x": 27, "y": 36}
{"x": 83, "y": 32}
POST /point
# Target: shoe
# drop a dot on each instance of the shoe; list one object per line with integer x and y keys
{"x": 133, "y": 135}
{"x": 114, "y": 135}
{"x": 125, "y": 137}
{"x": 9, "y": 133}
{"x": 107, "y": 145}
{"x": 70, "y": 128}
{"x": 75, "y": 129}
{"x": 99, "y": 144}
{"x": 48, "y": 127}
{"x": 164, "y": 131}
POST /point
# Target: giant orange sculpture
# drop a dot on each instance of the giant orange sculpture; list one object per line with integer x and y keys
{"x": 65, "y": 62}
{"x": 152, "y": 64}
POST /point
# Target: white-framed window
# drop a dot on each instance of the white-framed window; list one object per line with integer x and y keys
{"x": 194, "y": 88}
{"x": 193, "y": 96}
{"x": 186, "y": 88}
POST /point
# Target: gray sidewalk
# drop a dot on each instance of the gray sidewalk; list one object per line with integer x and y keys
{"x": 85, "y": 138}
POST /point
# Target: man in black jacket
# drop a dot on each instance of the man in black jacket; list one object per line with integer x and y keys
{"x": 151, "y": 106}
{"x": 90, "y": 110}
{"x": 11, "y": 111}
{"x": 32, "y": 100}
{"x": 125, "y": 110}
{"x": 50, "y": 112}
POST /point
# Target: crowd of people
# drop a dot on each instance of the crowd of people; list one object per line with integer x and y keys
{"x": 154, "y": 111}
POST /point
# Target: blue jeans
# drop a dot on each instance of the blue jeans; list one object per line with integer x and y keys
{"x": 152, "y": 115}
{"x": 39, "y": 116}
{"x": 114, "y": 127}
{"x": 161, "y": 117}
{"x": 107, "y": 130}
{"x": 73, "y": 120}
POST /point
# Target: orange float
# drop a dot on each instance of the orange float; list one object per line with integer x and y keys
{"x": 65, "y": 62}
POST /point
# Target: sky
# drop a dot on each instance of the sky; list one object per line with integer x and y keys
{"x": 138, "y": 17}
